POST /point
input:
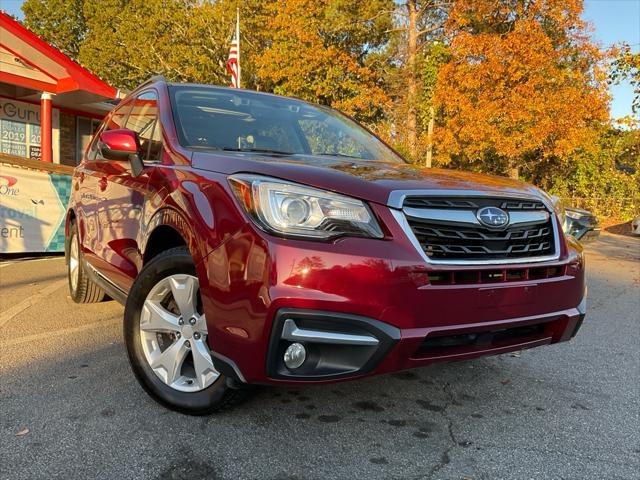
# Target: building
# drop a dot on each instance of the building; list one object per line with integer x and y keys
{"x": 49, "y": 105}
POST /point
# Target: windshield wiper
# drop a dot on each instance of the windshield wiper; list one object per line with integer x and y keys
{"x": 257, "y": 150}
{"x": 339, "y": 155}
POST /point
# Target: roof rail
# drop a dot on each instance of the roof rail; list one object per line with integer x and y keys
{"x": 155, "y": 78}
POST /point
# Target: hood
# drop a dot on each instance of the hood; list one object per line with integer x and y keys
{"x": 367, "y": 180}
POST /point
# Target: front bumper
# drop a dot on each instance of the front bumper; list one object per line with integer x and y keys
{"x": 418, "y": 313}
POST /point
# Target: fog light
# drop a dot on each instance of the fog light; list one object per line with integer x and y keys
{"x": 295, "y": 355}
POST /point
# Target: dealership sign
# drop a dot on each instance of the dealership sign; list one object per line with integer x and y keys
{"x": 32, "y": 210}
{"x": 20, "y": 129}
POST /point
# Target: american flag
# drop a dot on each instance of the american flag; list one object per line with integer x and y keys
{"x": 233, "y": 62}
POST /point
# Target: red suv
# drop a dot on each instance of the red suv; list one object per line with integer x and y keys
{"x": 257, "y": 239}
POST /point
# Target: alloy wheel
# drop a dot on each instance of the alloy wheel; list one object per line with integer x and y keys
{"x": 74, "y": 263}
{"x": 173, "y": 332}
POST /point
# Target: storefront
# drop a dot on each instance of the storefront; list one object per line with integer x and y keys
{"x": 49, "y": 108}
{"x": 49, "y": 105}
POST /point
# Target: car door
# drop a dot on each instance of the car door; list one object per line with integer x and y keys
{"x": 89, "y": 175}
{"x": 122, "y": 196}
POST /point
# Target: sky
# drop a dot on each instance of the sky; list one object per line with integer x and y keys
{"x": 614, "y": 21}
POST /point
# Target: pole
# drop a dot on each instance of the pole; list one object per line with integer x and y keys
{"x": 46, "y": 152}
{"x": 238, "y": 40}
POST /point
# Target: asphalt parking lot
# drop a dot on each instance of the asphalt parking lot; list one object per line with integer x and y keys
{"x": 70, "y": 407}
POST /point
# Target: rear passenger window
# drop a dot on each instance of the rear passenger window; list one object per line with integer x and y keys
{"x": 143, "y": 119}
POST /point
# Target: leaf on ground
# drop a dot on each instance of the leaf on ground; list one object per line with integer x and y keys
{"x": 22, "y": 432}
{"x": 504, "y": 382}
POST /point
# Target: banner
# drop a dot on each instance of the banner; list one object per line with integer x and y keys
{"x": 33, "y": 205}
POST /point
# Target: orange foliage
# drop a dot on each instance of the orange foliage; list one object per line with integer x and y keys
{"x": 299, "y": 61}
{"x": 523, "y": 81}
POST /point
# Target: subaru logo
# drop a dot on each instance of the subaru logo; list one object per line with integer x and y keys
{"x": 493, "y": 217}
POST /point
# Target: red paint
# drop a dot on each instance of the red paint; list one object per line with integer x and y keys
{"x": 11, "y": 181}
{"x": 122, "y": 140}
{"x": 75, "y": 77}
{"x": 247, "y": 275}
{"x": 46, "y": 126}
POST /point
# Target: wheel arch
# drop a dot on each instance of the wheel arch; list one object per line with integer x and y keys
{"x": 162, "y": 238}
{"x": 168, "y": 229}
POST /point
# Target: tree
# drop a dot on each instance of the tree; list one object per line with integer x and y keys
{"x": 319, "y": 51}
{"x": 607, "y": 179}
{"x": 626, "y": 67}
{"x": 416, "y": 53}
{"x": 184, "y": 40}
{"x": 523, "y": 88}
{"x": 59, "y": 22}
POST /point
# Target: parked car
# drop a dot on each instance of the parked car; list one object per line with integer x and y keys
{"x": 257, "y": 239}
{"x": 582, "y": 224}
{"x": 635, "y": 226}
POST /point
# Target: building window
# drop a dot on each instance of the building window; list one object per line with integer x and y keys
{"x": 20, "y": 139}
{"x": 86, "y": 129}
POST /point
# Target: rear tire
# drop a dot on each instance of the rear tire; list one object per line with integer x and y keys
{"x": 81, "y": 288}
{"x": 166, "y": 338}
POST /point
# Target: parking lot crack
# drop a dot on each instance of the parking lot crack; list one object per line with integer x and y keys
{"x": 445, "y": 458}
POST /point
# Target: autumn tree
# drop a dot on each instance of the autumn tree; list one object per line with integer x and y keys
{"x": 523, "y": 87}
{"x": 320, "y": 51}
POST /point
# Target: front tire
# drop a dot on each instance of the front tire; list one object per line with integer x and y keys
{"x": 166, "y": 337}
{"x": 81, "y": 288}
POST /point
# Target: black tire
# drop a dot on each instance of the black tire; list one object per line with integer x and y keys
{"x": 85, "y": 289}
{"x": 213, "y": 398}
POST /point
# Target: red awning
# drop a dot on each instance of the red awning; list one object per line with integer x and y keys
{"x": 28, "y": 61}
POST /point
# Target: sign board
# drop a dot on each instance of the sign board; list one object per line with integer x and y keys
{"x": 33, "y": 205}
{"x": 20, "y": 133}
{"x": 34, "y": 152}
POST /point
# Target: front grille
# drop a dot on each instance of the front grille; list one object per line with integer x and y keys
{"x": 475, "y": 203}
{"x": 445, "y": 237}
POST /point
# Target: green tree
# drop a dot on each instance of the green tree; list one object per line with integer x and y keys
{"x": 59, "y": 22}
{"x": 129, "y": 41}
{"x": 605, "y": 180}
{"x": 419, "y": 26}
{"x": 626, "y": 67}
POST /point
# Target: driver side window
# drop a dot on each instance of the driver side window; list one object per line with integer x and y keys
{"x": 143, "y": 120}
{"x": 115, "y": 121}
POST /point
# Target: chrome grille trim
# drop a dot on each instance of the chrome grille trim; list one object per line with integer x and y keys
{"x": 469, "y": 218}
{"x": 397, "y": 197}
{"x": 396, "y": 200}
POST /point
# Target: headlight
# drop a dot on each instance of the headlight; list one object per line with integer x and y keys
{"x": 570, "y": 213}
{"x": 294, "y": 210}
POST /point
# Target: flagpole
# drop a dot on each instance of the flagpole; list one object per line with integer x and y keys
{"x": 238, "y": 40}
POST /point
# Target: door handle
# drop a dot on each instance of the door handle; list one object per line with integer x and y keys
{"x": 102, "y": 184}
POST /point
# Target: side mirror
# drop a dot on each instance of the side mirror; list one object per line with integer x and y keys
{"x": 122, "y": 145}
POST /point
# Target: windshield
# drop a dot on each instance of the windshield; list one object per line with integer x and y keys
{"x": 210, "y": 118}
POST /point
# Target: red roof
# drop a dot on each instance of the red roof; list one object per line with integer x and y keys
{"x": 41, "y": 66}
